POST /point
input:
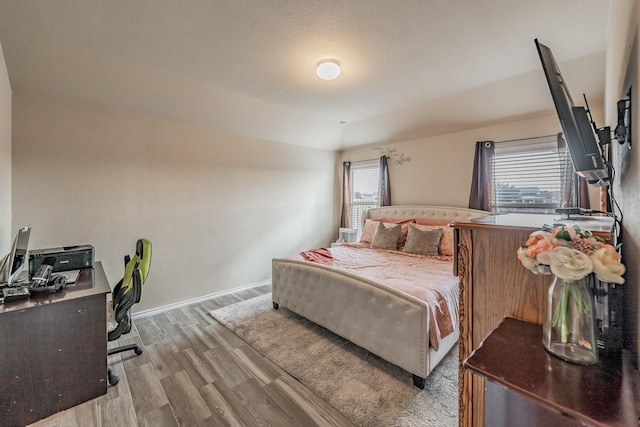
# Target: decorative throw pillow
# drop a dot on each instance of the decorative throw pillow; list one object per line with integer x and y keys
{"x": 371, "y": 224}
{"x": 405, "y": 228}
{"x": 368, "y": 230}
{"x": 386, "y": 238}
{"x": 446, "y": 242}
{"x": 423, "y": 242}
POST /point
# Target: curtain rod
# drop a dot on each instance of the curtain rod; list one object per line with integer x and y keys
{"x": 366, "y": 160}
{"x": 524, "y": 139}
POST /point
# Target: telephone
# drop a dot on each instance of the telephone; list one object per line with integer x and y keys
{"x": 43, "y": 274}
{"x": 41, "y": 281}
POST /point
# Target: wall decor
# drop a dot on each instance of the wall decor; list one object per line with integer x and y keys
{"x": 392, "y": 152}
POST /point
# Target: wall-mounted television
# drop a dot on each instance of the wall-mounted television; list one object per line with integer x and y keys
{"x": 578, "y": 131}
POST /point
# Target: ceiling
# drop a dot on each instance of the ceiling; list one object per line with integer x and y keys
{"x": 410, "y": 68}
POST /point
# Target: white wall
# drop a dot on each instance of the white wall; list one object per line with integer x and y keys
{"x": 5, "y": 158}
{"x": 216, "y": 207}
{"x": 440, "y": 168}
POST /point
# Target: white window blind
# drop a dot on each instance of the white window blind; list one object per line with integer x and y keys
{"x": 527, "y": 176}
{"x": 365, "y": 178}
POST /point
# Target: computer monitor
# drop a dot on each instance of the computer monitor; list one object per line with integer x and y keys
{"x": 13, "y": 264}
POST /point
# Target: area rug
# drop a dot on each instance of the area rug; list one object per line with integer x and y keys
{"x": 366, "y": 389}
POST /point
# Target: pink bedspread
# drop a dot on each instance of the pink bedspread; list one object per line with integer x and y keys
{"x": 429, "y": 279}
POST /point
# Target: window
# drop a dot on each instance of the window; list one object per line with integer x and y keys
{"x": 527, "y": 176}
{"x": 364, "y": 189}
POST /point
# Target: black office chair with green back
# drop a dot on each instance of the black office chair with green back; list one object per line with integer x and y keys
{"x": 126, "y": 293}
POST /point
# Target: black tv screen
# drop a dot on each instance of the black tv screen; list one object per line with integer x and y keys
{"x": 581, "y": 140}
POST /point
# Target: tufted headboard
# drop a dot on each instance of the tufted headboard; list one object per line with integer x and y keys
{"x": 421, "y": 211}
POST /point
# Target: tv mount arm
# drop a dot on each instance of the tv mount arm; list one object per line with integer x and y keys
{"x": 604, "y": 133}
{"x": 622, "y": 131}
{"x": 623, "y": 128}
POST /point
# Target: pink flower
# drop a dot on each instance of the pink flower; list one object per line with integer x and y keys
{"x": 592, "y": 241}
{"x": 536, "y": 236}
{"x": 541, "y": 246}
{"x": 611, "y": 251}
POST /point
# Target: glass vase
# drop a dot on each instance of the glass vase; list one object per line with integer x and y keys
{"x": 569, "y": 329}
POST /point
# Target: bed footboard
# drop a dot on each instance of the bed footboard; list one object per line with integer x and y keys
{"x": 352, "y": 307}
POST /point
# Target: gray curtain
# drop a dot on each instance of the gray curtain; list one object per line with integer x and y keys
{"x": 345, "y": 218}
{"x": 384, "y": 186}
{"x": 482, "y": 185}
{"x": 574, "y": 191}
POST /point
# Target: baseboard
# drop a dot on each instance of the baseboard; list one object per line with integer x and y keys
{"x": 152, "y": 311}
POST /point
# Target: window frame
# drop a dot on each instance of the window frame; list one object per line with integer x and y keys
{"x": 539, "y": 160}
{"x": 358, "y": 207}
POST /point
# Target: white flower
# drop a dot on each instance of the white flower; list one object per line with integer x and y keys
{"x": 569, "y": 264}
{"x": 544, "y": 257}
{"x": 607, "y": 265}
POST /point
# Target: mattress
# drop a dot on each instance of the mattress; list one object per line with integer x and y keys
{"x": 428, "y": 278}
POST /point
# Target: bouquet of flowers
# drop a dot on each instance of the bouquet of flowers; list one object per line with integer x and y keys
{"x": 571, "y": 254}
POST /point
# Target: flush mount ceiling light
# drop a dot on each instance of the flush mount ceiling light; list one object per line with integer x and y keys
{"x": 328, "y": 69}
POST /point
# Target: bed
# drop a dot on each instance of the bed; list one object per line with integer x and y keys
{"x": 385, "y": 320}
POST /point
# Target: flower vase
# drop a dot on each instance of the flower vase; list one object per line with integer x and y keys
{"x": 569, "y": 330}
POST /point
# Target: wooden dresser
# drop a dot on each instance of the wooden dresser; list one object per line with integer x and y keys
{"x": 495, "y": 285}
{"x": 542, "y": 390}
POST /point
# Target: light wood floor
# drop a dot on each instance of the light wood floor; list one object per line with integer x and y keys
{"x": 194, "y": 372}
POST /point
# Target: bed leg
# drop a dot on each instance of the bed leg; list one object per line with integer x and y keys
{"x": 275, "y": 305}
{"x": 419, "y": 382}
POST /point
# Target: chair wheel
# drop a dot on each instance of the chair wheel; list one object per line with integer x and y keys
{"x": 112, "y": 378}
{"x": 138, "y": 350}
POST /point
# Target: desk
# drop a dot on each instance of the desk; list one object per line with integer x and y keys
{"x": 528, "y": 387}
{"x": 53, "y": 350}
